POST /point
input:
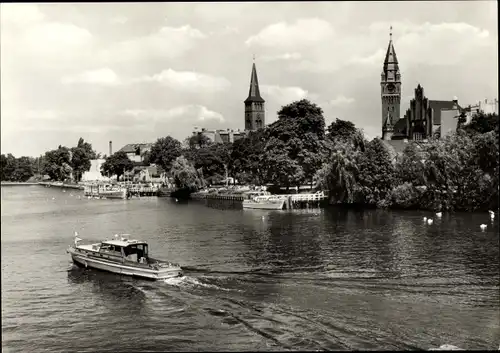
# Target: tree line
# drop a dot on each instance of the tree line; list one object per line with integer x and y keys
{"x": 60, "y": 164}
{"x": 458, "y": 172}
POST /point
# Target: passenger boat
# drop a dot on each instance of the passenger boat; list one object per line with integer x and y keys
{"x": 107, "y": 191}
{"x": 265, "y": 202}
{"x": 122, "y": 256}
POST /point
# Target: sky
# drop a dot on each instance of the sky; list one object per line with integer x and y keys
{"x": 134, "y": 72}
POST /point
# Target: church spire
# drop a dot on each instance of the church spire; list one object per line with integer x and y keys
{"x": 391, "y": 60}
{"x": 254, "y": 91}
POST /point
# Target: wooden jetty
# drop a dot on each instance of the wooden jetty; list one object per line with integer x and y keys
{"x": 228, "y": 197}
{"x": 305, "y": 200}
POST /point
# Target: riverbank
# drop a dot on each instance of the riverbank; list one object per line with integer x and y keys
{"x": 16, "y": 183}
{"x": 61, "y": 185}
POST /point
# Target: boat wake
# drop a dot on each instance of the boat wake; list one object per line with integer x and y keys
{"x": 191, "y": 282}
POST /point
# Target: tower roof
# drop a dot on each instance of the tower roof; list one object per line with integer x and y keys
{"x": 391, "y": 60}
{"x": 254, "y": 92}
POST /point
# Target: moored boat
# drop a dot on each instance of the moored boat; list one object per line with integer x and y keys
{"x": 105, "y": 191}
{"x": 265, "y": 202}
{"x": 122, "y": 256}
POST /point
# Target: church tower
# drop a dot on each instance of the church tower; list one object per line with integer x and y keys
{"x": 254, "y": 105}
{"x": 390, "y": 85}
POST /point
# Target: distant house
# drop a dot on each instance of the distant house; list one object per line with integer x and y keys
{"x": 152, "y": 173}
{"x": 220, "y": 136}
{"x": 135, "y": 151}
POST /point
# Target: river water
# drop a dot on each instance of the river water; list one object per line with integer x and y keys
{"x": 254, "y": 280}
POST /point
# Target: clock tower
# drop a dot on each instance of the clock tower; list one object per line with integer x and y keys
{"x": 390, "y": 85}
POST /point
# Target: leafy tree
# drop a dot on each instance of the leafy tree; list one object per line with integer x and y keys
{"x": 346, "y": 131}
{"x": 404, "y": 196}
{"x": 482, "y": 123}
{"x": 299, "y": 133}
{"x": 57, "y": 163}
{"x": 87, "y": 147}
{"x": 222, "y": 157}
{"x": 409, "y": 166}
{"x": 185, "y": 175}
{"x": 23, "y": 170}
{"x": 375, "y": 174}
{"x": 164, "y": 151}
{"x": 9, "y": 165}
{"x": 198, "y": 140}
{"x": 117, "y": 164}
{"x": 3, "y": 165}
{"x": 246, "y": 157}
{"x": 338, "y": 173}
{"x": 16, "y": 169}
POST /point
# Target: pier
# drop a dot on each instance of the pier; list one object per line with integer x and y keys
{"x": 229, "y": 197}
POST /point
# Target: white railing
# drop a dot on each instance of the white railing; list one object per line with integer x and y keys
{"x": 308, "y": 197}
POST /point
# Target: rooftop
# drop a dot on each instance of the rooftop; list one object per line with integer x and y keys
{"x": 123, "y": 242}
{"x": 438, "y": 105}
{"x": 132, "y": 147}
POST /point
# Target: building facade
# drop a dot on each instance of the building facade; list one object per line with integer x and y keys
{"x": 255, "y": 117}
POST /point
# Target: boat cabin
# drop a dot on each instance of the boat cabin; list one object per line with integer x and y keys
{"x": 129, "y": 250}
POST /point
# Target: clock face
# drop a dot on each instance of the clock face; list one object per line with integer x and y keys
{"x": 391, "y": 88}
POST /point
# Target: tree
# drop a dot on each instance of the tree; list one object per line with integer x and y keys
{"x": 3, "y": 165}
{"x": 9, "y": 165}
{"x": 299, "y": 132}
{"x": 87, "y": 147}
{"x": 246, "y": 157}
{"x": 185, "y": 175}
{"x": 375, "y": 172}
{"x": 222, "y": 157}
{"x": 198, "y": 140}
{"x": 410, "y": 166}
{"x": 164, "y": 151}
{"x": 338, "y": 173}
{"x": 116, "y": 164}
{"x": 57, "y": 163}
{"x": 482, "y": 123}
{"x": 23, "y": 170}
{"x": 343, "y": 130}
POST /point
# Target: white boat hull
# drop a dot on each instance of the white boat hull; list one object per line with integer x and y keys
{"x": 264, "y": 205}
{"x": 124, "y": 269}
{"x": 109, "y": 194}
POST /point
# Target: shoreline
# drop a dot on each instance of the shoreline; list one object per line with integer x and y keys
{"x": 60, "y": 185}
{"x": 17, "y": 183}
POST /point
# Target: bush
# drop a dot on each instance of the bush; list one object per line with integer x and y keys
{"x": 403, "y": 196}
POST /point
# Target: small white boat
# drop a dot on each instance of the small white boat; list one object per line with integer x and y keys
{"x": 265, "y": 202}
{"x": 123, "y": 256}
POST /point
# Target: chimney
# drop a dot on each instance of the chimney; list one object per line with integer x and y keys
{"x": 110, "y": 148}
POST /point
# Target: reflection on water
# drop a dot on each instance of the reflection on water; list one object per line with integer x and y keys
{"x": 254, "y": 279}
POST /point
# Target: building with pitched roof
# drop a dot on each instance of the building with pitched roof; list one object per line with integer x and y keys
{"x": 220, "y": 136}
{"x": 135, "y": 151}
